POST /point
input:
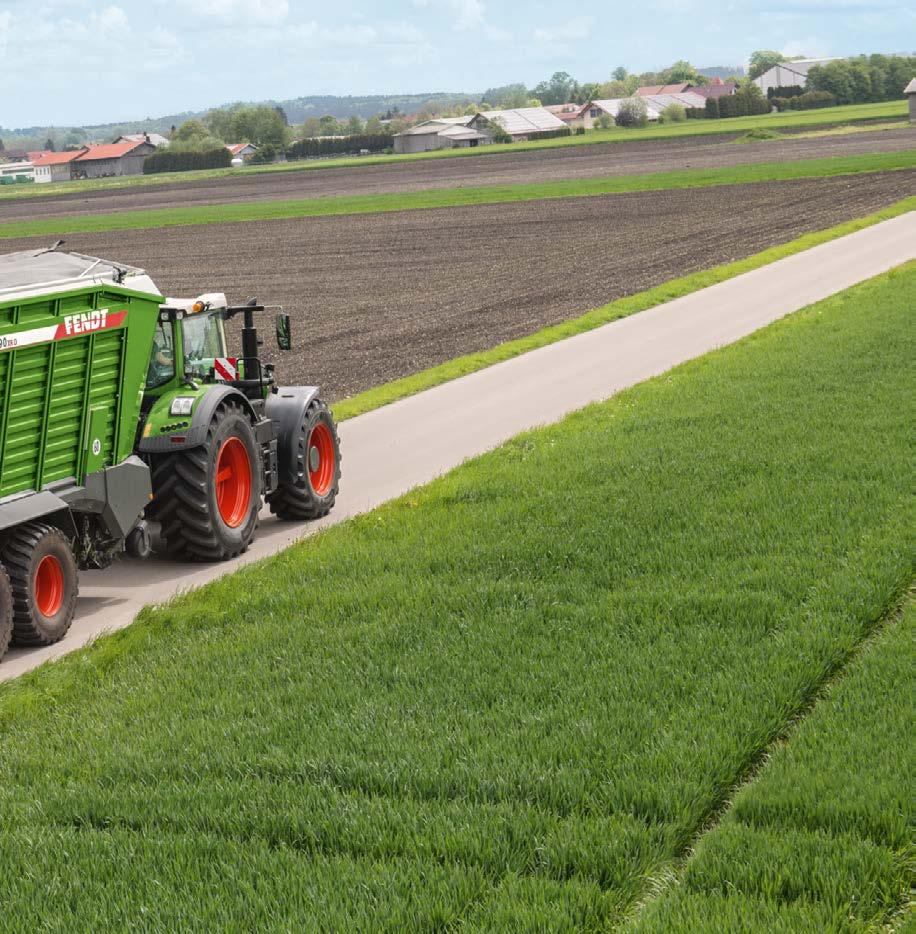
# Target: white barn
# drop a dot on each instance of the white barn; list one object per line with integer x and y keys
{"x": 788, "y": 74}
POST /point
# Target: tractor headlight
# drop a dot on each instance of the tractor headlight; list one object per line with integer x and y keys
{"x": 182, "y": 405}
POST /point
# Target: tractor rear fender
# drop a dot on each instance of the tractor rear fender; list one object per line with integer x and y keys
{"x": 165, "y": 433}
{"x": 286, "y": 409}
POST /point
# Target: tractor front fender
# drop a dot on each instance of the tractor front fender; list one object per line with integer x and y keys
{"x": 165, "y": 433}
{"x": 286, "y": 409}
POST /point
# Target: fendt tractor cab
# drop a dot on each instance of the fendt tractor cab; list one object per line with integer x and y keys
{"x": 125, "y": 420}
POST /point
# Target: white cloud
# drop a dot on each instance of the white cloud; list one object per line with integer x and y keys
{"x": 470, "y": 13}
{"x": 810, "y": 48}
{"x": 112, "y": 19}
{"x": 579, "y": 27}
{"x": 252, "y": 11}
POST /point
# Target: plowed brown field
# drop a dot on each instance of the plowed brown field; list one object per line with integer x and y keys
{"x": 374, "y": 297}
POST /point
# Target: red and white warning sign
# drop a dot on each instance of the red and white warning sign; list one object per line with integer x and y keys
{"x": 226, "y": 369}
{"x": 89, "y": 322}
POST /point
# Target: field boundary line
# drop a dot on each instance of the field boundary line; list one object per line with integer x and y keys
{"x": 449, "y": 198}
{"x": 672, "y": 875}
{"x": 397, "y": 389}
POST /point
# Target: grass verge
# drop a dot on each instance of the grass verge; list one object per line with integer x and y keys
{"x": 460, "y": 197}
{"x": 512, "y": 696}
{"x": 461, "y": 366}
{"x": 826, "y": 117}
{"x": 765, "y": 133}
{"x": 822, "y": 839}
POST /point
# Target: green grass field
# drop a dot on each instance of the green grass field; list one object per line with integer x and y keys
{"x": 511, "y": 699}
{"x": 821, "y": 840}
{"x": 834, "y": 115}
{"x": 460, "y": 197}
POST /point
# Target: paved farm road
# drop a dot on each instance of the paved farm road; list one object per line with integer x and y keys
{"x": 388, "y": 451}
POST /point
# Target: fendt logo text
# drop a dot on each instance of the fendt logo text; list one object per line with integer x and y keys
{"x": 83, "y": 323}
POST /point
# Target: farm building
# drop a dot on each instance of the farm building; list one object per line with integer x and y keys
{"x": 243, "y": 151}
{"x": 655, "y": 104}
{"x": 458, "y": 132}
{"x": 112, "y": 159}
{"x": 157, "y": 139}
{"x": 12, "y": 173}
{"x": 788, "y": 74}
{"x": 651, "y": 90}
{"x": 910, "y": 91}
{"x": 55, "y": 166}
{"x": 716, "y": 88}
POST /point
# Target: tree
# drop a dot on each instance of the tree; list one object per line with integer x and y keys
{"x": 330, "y": 126}
{"x": 49, "y": 144}
{"x": 762, "y": 60}
{"x": 354, "y": 125}
{"x": 681, "y": 72}
{"x": 617, "y": 88}
{"x": 560, "y": 89}
{"x": 374, "y": 126}
{"x": 673, "y": 113}
{"x": 260, "y": 125}
{"x": 498, "y": 132}
{"x": 312, "y": 128}
{"x": 619, "y": 73}
{"x": 507, "y": 97}
{"x": 189, "y": 130}
{"x": 604, "y": 122}
{"x": 632, "y": 112}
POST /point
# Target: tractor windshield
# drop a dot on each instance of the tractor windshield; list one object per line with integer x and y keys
{"x": 204, "y": 337}
{"x": 162, "y": 359}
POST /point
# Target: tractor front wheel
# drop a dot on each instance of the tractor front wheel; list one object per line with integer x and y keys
{"x": 208, "y": 499}
{"x": 6, "y": 612}
{"x": 312, "y": 493}
{"x": 44, "y": 581}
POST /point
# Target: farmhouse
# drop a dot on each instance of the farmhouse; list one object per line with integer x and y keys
{"x": 13, "y": 172}
{"x": 655, "y": 104}
{"x": 910, "y": 91}
{"x": 458, "y": 132}
{"x": 55, "y": 166}
{"x": 112, "y": 159}
{"x": 788, "y": 74}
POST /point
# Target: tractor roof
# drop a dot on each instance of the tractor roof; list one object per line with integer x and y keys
{"x": 34, "y": 272}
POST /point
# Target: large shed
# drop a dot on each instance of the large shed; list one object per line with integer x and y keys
{"x": 788, "y": 74}
{"x": 112, "y": 159}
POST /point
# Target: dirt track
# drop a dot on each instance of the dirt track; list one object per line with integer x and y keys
{"x": 491, "y": 169}
{"x": 374, "y": 297}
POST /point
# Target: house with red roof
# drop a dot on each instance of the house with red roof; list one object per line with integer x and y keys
{"x": 54, "y": 166}
{"x": 112, "y": 159}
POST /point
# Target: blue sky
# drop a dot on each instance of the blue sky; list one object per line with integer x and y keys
{"x": 82, "y": 61}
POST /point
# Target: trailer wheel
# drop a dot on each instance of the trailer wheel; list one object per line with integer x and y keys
{"x": 6, "y": 611}
{"x": 208, "y": 499}
{"x": 45, "y": 582}
{"x": 314, "y": 491}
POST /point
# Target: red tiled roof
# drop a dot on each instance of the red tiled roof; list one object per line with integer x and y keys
{"x": 56, "y": 158}
{"x": 108, "y": 151}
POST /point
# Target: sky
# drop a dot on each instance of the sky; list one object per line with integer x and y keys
{"x": 75, "y": 62}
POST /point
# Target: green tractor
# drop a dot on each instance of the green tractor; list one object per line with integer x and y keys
{"x": 127, "y": 425}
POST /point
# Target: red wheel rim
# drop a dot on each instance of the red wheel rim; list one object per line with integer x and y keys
{"x": 322, "y": 459}
{"x": 233, "y": 482}
{"x": 49, "y": 586}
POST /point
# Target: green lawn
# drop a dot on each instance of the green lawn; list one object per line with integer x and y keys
{"x": 510, "y": 699}
{"x": 832, "y": 115}
{"x": 460, "y": 197}
{"x": 822, "y": 840}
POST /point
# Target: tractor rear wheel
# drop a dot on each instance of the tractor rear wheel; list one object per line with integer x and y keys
{"x": 44, "y": 581}
{"x": 6, "y": 612}
{"x": 208, "y": 499}
{"x": 313, "y": 492}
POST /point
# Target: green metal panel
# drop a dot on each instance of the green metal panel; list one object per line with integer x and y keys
{"x": 72, "y": 370}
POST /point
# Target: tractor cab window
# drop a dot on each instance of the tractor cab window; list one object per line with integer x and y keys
{"x": 162, "y": 360}
{"x": 204, "y": 337}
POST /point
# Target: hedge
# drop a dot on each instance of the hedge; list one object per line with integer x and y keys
{"x": 335, "y": 146}
{"x": 743, "y": 105}
{"x": 790, "y": 90}
{"x": 165, "y": 161}
{"x": 810, "y": 100}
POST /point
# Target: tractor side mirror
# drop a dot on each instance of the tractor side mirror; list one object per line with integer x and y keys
{"x": 284, "y": 334}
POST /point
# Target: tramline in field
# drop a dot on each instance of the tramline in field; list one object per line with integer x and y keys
{"x": 121, "y": 413}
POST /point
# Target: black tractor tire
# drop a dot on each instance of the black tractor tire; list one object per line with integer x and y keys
{"x": 44, "y": 580}
{"x": 313, "y": 492}
{"x": 6, "y": 611}
{"x": 187, "y": 498}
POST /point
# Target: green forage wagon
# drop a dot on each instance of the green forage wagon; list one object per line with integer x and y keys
{"x": 125, "y": 421}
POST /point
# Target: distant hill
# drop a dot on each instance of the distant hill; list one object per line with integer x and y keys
{"x": 297, "y": 110}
